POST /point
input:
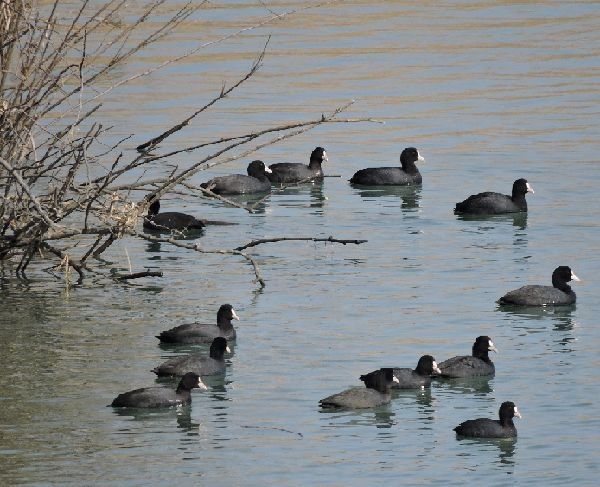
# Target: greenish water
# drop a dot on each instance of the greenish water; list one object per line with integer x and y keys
{"x": 488, "y": 92}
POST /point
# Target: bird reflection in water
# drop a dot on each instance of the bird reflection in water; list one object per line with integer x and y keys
{"x": 518, "y": 220}
{"x": 467, "y": 385}
{"x": 410, "y": 195}
{"x": 505, "y": 447}
{"x": 534, "y": 319}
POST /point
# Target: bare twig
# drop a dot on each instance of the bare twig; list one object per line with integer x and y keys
{"x": 137, "y": 275}
{"x": 107, "y": 243}
{"x": 254, "y": 243}
{"x": 65, "y": 258}
{"x": 197, "y": 248}
{"x": 208, "y": 192}
{"x": 58, "y": 181}
{"x": 27, "y": 190}
{"x": 157, "y": 140}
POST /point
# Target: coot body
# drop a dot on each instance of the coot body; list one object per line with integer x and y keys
{"x": 418, "y": 378}
{"x": 376, "y": 393}
{"x": 255, "y": 182}
{"x": 160, "y": 397}
{"x": 476, "y": 365}
{"x": 559, "y": 294}
{"x": 293, "y": 172}
{"x": 490, "y": 203}
{"x": 491, "y": 428}
{"x": 212, "y": 365}
{"x": 170, "y": 220}
{"x": 406, "y": 175}
{"x": 191, "y": 333}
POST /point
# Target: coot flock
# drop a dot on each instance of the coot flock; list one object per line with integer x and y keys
{"x": 380, "y": 383}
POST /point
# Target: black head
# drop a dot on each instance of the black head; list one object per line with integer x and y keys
{"x": 190, "y": 381}
{"x": 154, "y": 208}
{"x": 319, "y": 155}
{"x": 427, "y": 366}
{"x": 226, "y": 313}
{"x": 508, "y": 411}
{"x": 409, "y": 156}
{"x": 258, "y": 169}
{"x": 380, "y": 380}
{"x": 563, "y": 274}
{"x": 218, "y": 347}
{"x": 521, "y": 187}
{"x": 482, "y": 346}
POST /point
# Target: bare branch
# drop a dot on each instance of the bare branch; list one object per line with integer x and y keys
{"x": 27, "y": 190}
{"x": 157, "y": 140}
{"x": 254, "y": 243}
{"x": 64, "y": 258}
{"x": 137, "y": 275}
{"x": 197, "y": 248}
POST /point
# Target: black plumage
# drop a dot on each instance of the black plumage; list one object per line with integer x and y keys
{"x": 475, "y": 365}
{"x": 375, "y": 393}
{"x": 492, "y": 428}
{"x": 255, "y": 182}
{"x": 420, "y": 377}
{"x": 559, "y": 294}
{"x": 170, "y": 220}
{"x": 406, "y": 175}
{"x": 203, "y": 333}
{"x": 490, "y": 203}
{"x": 212, "y": 365}
{"x": 294, "y": 172}
{"x": 159, "y": 397}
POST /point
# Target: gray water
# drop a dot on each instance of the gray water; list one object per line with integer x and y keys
{"x": 488, "y": 92}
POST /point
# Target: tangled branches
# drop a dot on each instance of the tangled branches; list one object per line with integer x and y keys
{"x": 57, "y": 181}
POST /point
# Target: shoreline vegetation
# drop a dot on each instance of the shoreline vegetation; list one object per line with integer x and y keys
{"x": 55, "y": 70}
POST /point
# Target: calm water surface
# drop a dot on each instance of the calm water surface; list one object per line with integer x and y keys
{"x": 488, "y": 92}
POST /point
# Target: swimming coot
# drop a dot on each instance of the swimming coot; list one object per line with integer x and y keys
{"x": 159, "y": 397}
{"x": 294, "y": 172}
{"x": 396, "y": 176}
{"x": 203, "y": 333}
{"x": 475, "y": 365}
{"x": 492, "y": 428}
{"x": 376, "y": 393}
{"x": 491, "y": 203}
{"x": 215, "y": 364}
{"x": 418, "y": 378}
{"x": 170, "y": 220}
{"x": 559, "y": 294}
{"x": 255, "y": 182}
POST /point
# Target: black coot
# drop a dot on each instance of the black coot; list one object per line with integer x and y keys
{"x": 294, "y": 172}
{"x": 170, "y": 220}
{"x": 255, "y": 182}
{"x": 475, "y": 365}
{"x": 160, "y": 397}
{"x": 559, "y": 294}
{"x": 212, "y": 365}
{"x": 387, "y": 176}
{"x": 203, "y": 333}
{"x": 376, "y": 393}
{"x": 490, "y": 203}
{"x": 418, "y": 378}
{"x": 492, "y": 428}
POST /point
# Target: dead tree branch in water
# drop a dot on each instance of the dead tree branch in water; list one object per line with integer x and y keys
{"x": 240, "y": 250}
{"x": 196, "y": 248}
{"x": 224, "y": 92}
{"x": 138, "y": 275}
{"x": 66, "y": 195}
{"x": 260, "y": 241}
